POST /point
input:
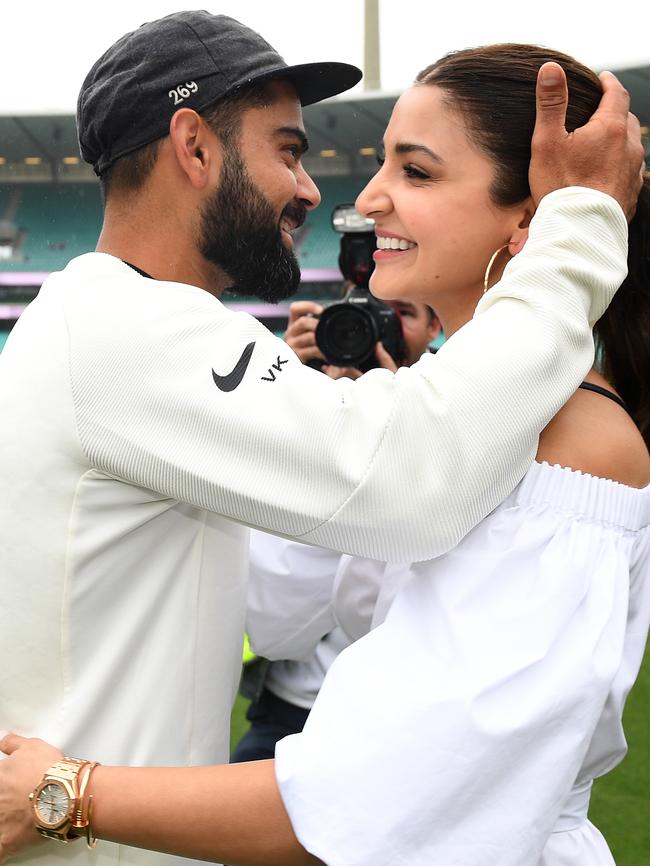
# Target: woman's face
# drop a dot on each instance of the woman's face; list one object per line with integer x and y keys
{"x": 431, "y": 194}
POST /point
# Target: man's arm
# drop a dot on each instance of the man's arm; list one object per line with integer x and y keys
{"x": 392, "y": 467}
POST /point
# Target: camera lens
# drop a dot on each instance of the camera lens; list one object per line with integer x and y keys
{"x": 346, "y": 335}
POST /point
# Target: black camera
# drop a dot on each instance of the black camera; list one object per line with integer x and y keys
{"x": 348, "y": 331}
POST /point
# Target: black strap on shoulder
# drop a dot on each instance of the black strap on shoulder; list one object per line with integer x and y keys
{"x": 587, "y": 386}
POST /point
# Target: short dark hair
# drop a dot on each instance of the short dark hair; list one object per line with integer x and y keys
{"x": 130, "y": 173}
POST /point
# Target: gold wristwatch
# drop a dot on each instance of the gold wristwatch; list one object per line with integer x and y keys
{"x": 58, "y": 802}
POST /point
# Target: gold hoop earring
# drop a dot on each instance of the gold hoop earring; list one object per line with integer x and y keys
{"x": 493, "y": 258}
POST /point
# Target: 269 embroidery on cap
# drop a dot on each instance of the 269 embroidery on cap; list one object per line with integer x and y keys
{"x": 182, "y": 91}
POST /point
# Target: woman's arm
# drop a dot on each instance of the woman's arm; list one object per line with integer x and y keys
{"x": 203, "y": 812}
{"x": 206, "y": 813}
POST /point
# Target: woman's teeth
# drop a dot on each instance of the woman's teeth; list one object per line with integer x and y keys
{"x": 394, "y": 244}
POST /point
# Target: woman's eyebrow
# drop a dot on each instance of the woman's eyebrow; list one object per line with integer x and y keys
{"x": 407, "y": 147}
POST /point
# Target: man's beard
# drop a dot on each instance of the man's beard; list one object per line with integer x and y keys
{"x": 241, "y": 235}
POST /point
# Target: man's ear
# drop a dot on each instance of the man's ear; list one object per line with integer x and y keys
{"x": 195, "y": 149}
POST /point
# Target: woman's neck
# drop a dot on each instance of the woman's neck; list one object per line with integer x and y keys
{"x": 456, "y": 311}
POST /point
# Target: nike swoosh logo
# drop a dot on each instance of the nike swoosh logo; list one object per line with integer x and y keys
{"x": 231, "y": 380}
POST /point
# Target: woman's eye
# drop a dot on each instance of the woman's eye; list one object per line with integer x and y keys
{"x": 380, "y": 160}
{"x": 415, "y": 173}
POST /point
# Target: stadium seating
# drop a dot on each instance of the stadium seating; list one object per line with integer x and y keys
{"x": 56, "y": 222}
{"x": 317, "y": 244}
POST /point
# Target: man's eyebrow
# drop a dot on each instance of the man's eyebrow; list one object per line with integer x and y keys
{"x": 407, "y": 147}
{"x": 297, "y": 132}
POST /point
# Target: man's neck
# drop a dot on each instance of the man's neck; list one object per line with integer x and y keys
{"x": 162, "y": 260}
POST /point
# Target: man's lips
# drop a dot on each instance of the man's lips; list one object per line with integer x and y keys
{"x": 293, "y": 216}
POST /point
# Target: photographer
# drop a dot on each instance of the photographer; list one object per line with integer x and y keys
{"x": 284, "y": 691}
{"x": 420, "y": 327}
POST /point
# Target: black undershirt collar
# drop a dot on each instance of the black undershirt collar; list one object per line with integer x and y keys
{"x": 139, "y": 270}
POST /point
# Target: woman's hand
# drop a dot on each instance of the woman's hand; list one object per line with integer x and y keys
{"x": 20, "y": 773}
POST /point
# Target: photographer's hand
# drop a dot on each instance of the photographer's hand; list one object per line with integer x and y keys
{"x": 384, "y": 359}
{"x": 301, "y": 330}
{"x": 341, "y": 372}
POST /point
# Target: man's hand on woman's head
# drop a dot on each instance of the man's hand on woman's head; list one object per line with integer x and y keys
{"x": 20, "y": 773}
{"x": 605, "y": 154}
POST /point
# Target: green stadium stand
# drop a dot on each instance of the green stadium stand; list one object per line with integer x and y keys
{"x": 57, "y": 222}
{"x": 317, "y": 245}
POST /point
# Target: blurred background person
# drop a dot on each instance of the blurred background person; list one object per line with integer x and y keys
{"x": 282, "y": 692}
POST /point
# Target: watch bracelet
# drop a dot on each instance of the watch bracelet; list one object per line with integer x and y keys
{"x": 81, "y": 819}
{"x": 54, "y": 834}
{"x": 84, "y": 815}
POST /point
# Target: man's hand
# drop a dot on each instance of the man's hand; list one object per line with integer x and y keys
{"x": 19, "y": 775}
{"x": 301, "y": 330}
{"x": 605, "y": 154}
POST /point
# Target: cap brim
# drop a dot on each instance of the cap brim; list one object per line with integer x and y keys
{"x": 316, "y": 81}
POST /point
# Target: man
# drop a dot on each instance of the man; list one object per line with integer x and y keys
{"x": 283, "y": 573}
{"x": 149, "y": 424}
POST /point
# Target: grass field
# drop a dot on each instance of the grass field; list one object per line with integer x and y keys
{"x": 620, "y": 803}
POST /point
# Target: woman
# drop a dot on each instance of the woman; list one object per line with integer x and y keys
{"x": 529, "y": 633}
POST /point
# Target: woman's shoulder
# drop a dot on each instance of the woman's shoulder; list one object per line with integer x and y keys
{"x": 595, "y": 435}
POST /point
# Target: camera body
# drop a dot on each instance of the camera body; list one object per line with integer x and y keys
{"x": 348, "y": 331}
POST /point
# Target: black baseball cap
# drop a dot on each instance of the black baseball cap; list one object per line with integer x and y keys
{"x": 188, "y": 59}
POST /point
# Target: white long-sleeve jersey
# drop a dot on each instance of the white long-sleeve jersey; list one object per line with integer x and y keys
{"x": 144, "y": 424}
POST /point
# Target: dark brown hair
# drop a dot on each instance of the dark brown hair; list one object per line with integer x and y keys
{"x": 493, "y": 87}
{"x": 129, "y": 174}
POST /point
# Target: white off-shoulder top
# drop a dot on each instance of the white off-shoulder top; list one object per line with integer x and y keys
{"x": 466, "y": 729}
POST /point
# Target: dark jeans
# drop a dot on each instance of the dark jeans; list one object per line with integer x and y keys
{"x": 271, "y": 719}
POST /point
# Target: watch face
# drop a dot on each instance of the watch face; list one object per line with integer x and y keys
{"x": 52, "y": 804}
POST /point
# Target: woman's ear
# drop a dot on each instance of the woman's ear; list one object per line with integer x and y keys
{"x": 518, "y": 241}
{"x": 520, "y": 234}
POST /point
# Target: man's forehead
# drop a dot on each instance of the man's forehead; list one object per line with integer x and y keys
{"x": 281, "y": 113}
{"x": 282, "y": 96}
